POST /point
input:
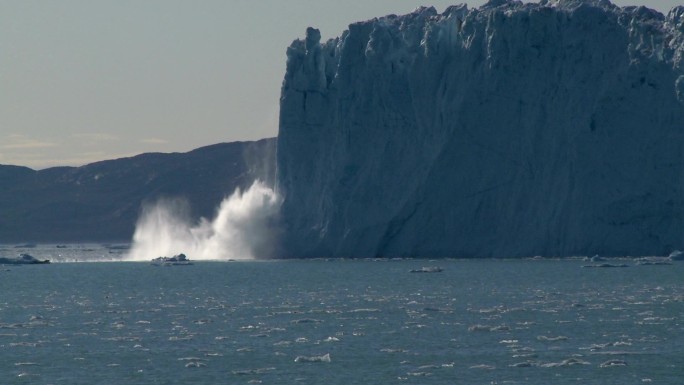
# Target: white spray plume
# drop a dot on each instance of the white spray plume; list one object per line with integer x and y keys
{"x": 244, "y": 227}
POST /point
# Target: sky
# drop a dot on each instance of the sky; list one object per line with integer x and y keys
{"x": 89, "y": 80}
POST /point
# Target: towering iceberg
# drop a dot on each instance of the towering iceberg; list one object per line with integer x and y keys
{"x": 513, "y": 129}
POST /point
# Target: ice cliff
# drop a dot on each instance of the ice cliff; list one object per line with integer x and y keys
{"x": 513, "y": 129}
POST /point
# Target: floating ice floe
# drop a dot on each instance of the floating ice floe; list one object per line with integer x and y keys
{"x": 323, "y": 358}
{"x": 25, "y": 374}
{"x": 607, "y": 265}
{"x": 306, "y": 321}
{"x": 488, "y": 328}
{"x": 419, "y": 374}
{"x": 177, "y": 260}
{"x": 525, "y": 364}
{"x": 612, "y": 363}
{"x": 247, "y": 372}
{"x": 552, "y": 339}
{"x": 565, "y": 363}
{"x": 428, "y": 269}
{"x": 392, "y": 350}
{"x": 22, "y": 259}
{"x": 368, "y": 310}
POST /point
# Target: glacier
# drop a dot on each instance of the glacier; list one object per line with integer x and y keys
{"x": 509, "y": 130}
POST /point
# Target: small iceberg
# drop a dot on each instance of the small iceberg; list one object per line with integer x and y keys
{"x": 613, "y": 363}
{"x": 323, "y": 358}
{"x": 488, "y": 328}
{"x": 606, "y": 265}
{"x": 552, "y": 339}
{"x": 565, "y": 363}
{"x": 428, "y": 269}
{"x": 524, "y": 364}
{"x": 250, "y": 372}
{"x": 177, "y": 260}
{"x": 22, "y": 259}
{"x": 195, "y": 364}
{"x": 306, "y": 321}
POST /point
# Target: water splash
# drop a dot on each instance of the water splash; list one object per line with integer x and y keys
{"x": 244, "y": 228}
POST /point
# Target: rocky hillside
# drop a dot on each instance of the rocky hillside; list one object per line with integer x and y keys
{"x": 101, "y": 201}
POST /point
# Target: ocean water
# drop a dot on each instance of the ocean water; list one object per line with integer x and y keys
{"x": 337, "y": 322}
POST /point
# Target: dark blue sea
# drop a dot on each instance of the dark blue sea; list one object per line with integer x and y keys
{"x": 76, "y": 321}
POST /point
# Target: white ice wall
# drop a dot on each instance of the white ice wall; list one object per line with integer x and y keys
{"x": 514, "y": 129}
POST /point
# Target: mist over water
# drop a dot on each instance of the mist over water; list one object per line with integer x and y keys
{"x": 245, "y": 227}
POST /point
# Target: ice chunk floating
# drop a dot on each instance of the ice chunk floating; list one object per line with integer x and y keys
{"x": 244, "y": 228}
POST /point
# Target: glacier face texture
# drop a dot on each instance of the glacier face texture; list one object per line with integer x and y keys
{"x": 551, "y": 129}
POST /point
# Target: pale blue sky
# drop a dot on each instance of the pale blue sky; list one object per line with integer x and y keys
{"x": 88, "y": 80}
